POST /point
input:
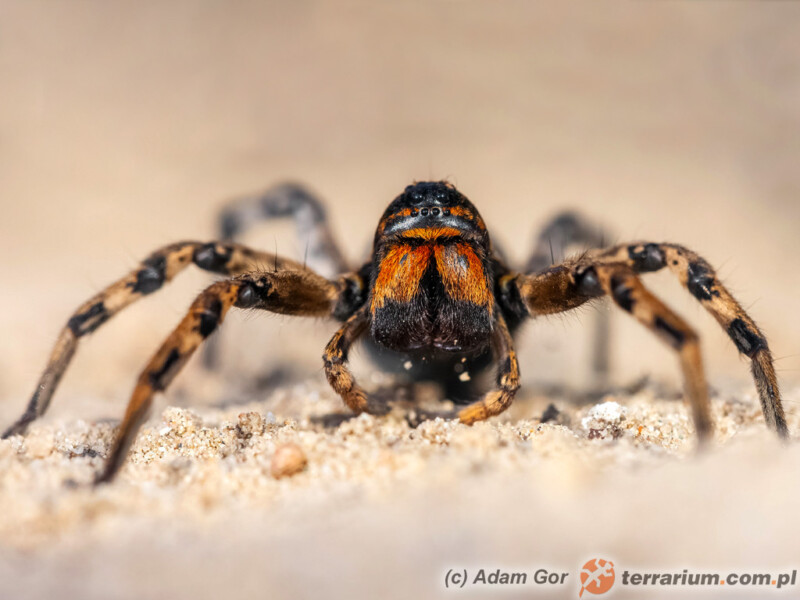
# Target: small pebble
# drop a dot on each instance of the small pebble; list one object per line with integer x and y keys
{"x": 289, "y": 459}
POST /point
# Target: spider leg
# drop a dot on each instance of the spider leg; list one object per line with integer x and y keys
{"x": 158, "y": 268}
{"x": 285, "y": 292}
{"x": 577, "y": 281}
{"x": 307, "y": 212}
{"x": 627, "y": 290}
{"x": 335, "y": 360}
{"x": 569, "y": 230}
{"x": 285, "y": 200}
{"x": 699, "y": 278}
{"x": 565, "y": 230}
{"x": 571, "y": 287}
{"x": 498, "y": 400}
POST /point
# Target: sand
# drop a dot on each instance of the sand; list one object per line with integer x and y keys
{"x": 384, "y": 510}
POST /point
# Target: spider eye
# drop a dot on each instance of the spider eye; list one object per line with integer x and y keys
{"x": 424, "y": 212}
{"x": 414, "y": 196}
{"x": 435, "y": 212}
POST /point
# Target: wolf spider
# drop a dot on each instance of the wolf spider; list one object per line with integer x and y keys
{"x": 434, "y": 293}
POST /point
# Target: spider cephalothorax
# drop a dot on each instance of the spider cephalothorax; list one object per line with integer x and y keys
{"x": 434, "y": 298}
{"x": 431, "y": 281}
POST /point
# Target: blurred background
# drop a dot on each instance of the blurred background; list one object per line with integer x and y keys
{"x": 126, "y": 125}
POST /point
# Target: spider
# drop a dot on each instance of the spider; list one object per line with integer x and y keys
{"x": 434, "y": 294}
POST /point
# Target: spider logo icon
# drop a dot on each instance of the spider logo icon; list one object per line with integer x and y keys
{"x": 597, "y": 576}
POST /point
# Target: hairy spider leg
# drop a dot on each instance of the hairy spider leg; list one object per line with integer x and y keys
{"x": 285, "y": 200}
{"x": 567, "y": 230}
{"x": 153, "y": 272}
{"x": 300, "y": 293}
{"x": 498, "y": 400}
{"x": 576, "y": 281}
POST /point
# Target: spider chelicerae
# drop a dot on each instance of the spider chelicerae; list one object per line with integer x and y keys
{"x": 435, "y": 296}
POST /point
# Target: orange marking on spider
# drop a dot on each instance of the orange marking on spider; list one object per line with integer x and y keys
{"x": 400, "y": 273}
{"x": 463, "y": 274}
{"x": 431, "y": 233}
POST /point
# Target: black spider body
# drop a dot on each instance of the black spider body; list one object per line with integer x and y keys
{"x": 431, "y": 289}
{"x": 434, "y": 300}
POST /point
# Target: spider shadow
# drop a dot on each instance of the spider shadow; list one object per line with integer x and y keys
{"x": 405, "y": 396}
{"x": 381, "y": 402}
{"x": 595, "y": 394}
